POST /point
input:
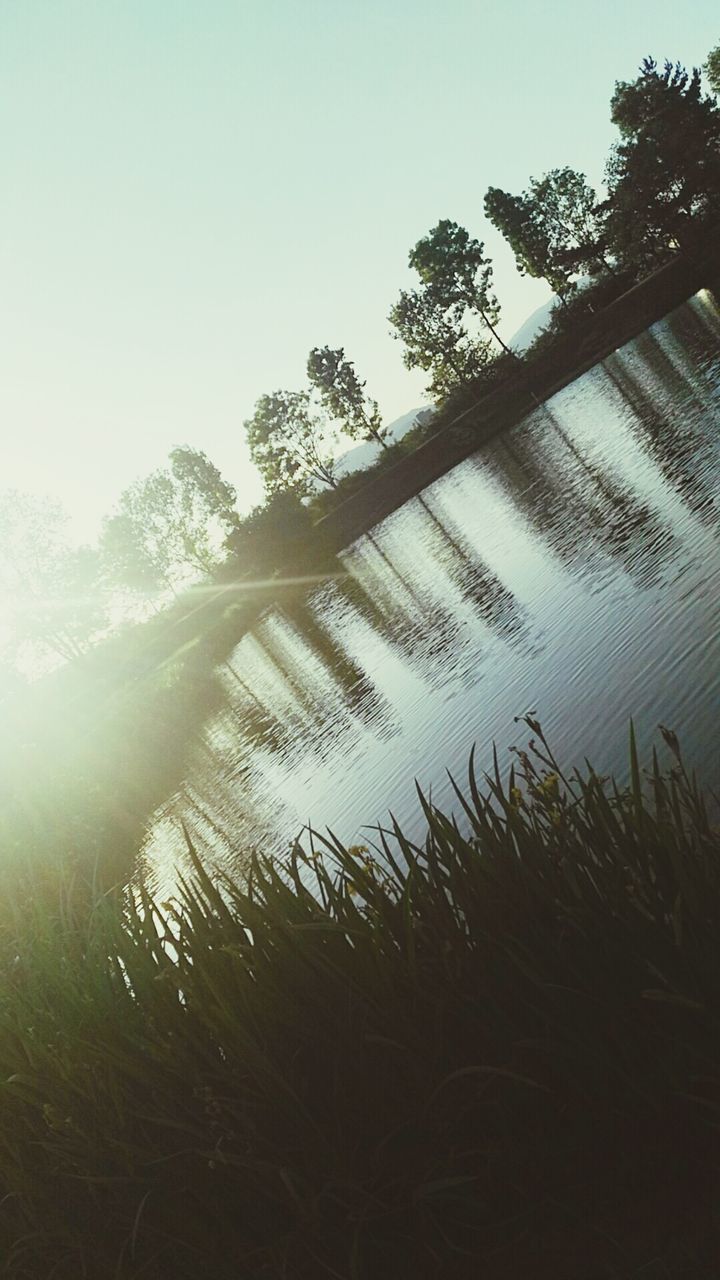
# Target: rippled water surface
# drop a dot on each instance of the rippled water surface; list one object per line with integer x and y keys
{"x": 571, "y": 567}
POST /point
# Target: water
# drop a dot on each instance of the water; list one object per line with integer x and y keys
{"x": 571, "y": 567}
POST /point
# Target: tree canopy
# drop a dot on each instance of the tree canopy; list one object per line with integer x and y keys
{"x": 554, "y": 228}
{"x": 290, "y": 443}
{"x": 712, "y": 69}
{"x": 447, "y": 325}
{"x": 170, "y": 526}
{"x": 665, "y": 171}
{"x": 453, "y": 268}
{"x": 436, "y": 342}
{"x": 342, "y": 394}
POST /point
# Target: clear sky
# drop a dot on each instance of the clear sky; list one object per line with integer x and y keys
{"x": 195, "y": 192}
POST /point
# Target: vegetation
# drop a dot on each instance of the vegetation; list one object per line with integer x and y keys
{"x": 343, "y": 394}
{"x": 169, "y": 525}
{"x": 68, "y": 779}
{"x": 553, "y": 228}
{"x": 439, "y": 323}
{"x": 663, "y": 175}
{"x": 712, "y": 69}
{"x": 290, "y": 444}
{"x": 64, "y": 604}
{"x": 663, "y": 188}
{"x": 486, "y": 1053}
{"x": 175, "y": 525}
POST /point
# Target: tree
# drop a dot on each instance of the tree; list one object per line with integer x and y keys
{"x": 169, "y": 526}
{"x": 515, "y": 217}
{"x": 448, "y": 323}
{"x": 202, "y": 493}
{"x": 569, "y": 214}
{"x": 554, "y": 228}
{"x": 712, "y": 70}
{"x": 436, "y": 342}
{"x": 289, "y": 443}
{"x": 665, "y": 171}
{"x": 342, "y": 394}
{"x": 453, "y": 270}
{"x": 128, "y": 556}
{"x": 51, "y": 592}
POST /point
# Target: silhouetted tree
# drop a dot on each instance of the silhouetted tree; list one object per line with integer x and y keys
{"x": 712, "y": 69}
{"x": 554, "y": 228}
{"x": 437, "y": 342}
{"x": 447, "y": 325}
{"x": 665, "y": 171}
{"x": 289, "y": 443}
{"x": 452, "y": 267}
{"x": 515, "y": 217}
{"x": 169, "y": 526}
{"x": 342, "y": 394}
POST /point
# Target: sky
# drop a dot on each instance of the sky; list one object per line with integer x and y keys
{"x": 194, "y": 193}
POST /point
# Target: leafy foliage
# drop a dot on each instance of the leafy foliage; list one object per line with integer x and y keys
{"x": 289, "y": 443}
{"x": 712, "y": 69}
{"x": 665, "y": 171}
{"x": 553, "y": 228}
{"x": 436, "y": 342}
{"x": 278, "y": 537}
{"x": 169, "y": 526}
{"x": 452, "y": 267}
{"x": 343, "y": 394}
{"x": 448, "y": 324}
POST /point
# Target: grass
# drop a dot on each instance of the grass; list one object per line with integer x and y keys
{"x": 491, "y": 1054}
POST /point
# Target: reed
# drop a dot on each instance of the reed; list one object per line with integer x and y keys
{"x": 493, "y": 1052}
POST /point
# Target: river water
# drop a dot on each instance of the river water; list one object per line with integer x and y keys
{"x": 570, "y": 567}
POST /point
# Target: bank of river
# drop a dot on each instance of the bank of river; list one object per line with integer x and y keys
{"x": 535, "y": 380}
{"x": 571, "y": 566}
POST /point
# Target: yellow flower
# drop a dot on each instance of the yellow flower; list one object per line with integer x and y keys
{"x": 550, "y": 784}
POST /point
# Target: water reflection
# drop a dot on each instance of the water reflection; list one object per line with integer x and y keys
{"x": 572, "y": 564}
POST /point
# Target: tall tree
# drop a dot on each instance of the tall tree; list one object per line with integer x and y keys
{"x": 665, "y": 171}
{"x": 712, "y": 69}
{"x": 448, "y": 324}
{"x": 289, "y": 443}
{"x": 53, "y": 602}
{"x": 169, "y": 526}
{"x": 554, "y": 228}
{"x": 515, "y": 217}
{"x": 434, "y": 340}
{"x": 453, "y": 269}
{"x": 570, "y": 218}
{"x": 342, "y": 394}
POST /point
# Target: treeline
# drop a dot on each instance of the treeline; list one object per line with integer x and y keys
{"x": 181, "y": 523}
{"x": 663, "y": 185}
{"x": 133, "y": 644}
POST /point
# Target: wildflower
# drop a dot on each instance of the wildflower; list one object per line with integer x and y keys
{"x": 357, "y": 850}
{"x": 549, "y": 784}
{"x": 516, "y": 798}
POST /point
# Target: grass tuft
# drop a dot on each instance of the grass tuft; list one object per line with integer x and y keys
{"x": 492, "y": 1053}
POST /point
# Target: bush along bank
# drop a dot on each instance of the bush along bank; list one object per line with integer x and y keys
{"x": 484, "y": 1054}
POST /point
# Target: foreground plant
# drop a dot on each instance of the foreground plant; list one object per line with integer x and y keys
{"x": 493, "y": 1054}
